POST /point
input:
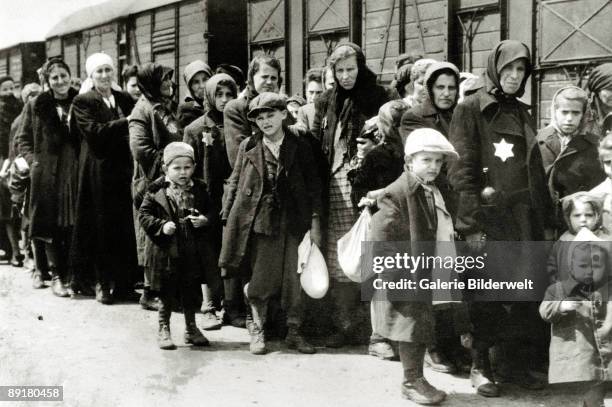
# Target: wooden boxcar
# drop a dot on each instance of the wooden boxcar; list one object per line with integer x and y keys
{"x": 171, "y": 32}
{"x": 21, "y": 62}
{"x": 565, "y": 36}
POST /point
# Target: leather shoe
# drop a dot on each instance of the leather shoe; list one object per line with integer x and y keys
{"x": 438, "y": 362}
{"x": 148, "y": 303}
{"x": 103, "y": 295}
{"x": 57, "y": 287}
{"x": 37, "y": 280}
{"x": 294, "y": 340}
{"x": 421, "y": 392}
{"x": 210, "y": 322}
{"x": 483, "y": 385}
{"x": 382, "y": 350}
{"x": 194, "y": 336}
{"x": 164, "y": 339}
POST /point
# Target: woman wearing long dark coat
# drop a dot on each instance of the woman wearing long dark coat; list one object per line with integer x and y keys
{"x": 152, "y": 126}
{"x": 503, "y": 196}
{"x": 51, "y": 150}
{"x": 103, "y": 240}
{"x": 340, "y": 114}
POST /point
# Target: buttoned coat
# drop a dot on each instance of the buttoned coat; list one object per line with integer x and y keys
{"x": 581, "y": 340}
{"x": 300, "y": 191}
{"x": 403, "y": 216}
{"x": 41, "y": 138}
{"x": 576, "y": 168}
{"x": 475, "y": 129}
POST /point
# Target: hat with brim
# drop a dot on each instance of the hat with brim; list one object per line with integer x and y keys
{"x": 266, "y": 101}
{"x": 429, "y": 140}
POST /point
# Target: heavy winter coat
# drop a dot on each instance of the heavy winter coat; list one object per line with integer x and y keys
{"x": 476, "y": 125}
{"x": 155, "y": 211}
{"x": 575, "y": 169}
{"x": 403, "y": 215}
{"x": 41, "y": 138}
{"x": 299, "y": 189}
{"x": 580, "y": 348}
{"x": 104, "y": 222}
{"x": 10, "y": 108}
{"x": 148, "y": 137}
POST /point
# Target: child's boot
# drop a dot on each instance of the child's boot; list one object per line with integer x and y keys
{"x": 192, "y": 334}
{"x": 164, "y": 338}
{"x": 256, "y": 329}
{"x": 415, "y": 387}
{"x": 481, "y": 375}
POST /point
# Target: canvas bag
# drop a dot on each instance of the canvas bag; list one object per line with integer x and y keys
{"x": 314, "y": 277}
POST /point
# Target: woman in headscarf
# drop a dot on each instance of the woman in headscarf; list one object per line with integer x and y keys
{"x": 205, "y": 135}
{"x": 51, "y": 150}
{"x": 103, "y": 239}
{"x": 152, "y": 126}
{"x": 502, "y": 197}
{"x": 264, "y": 75}
{"x": 10, "y": 108}
{"x": 417, "y": 81}
{"x": 599, "y": 86}
{"x": 196, "y": 75}
{"x": 340, "y": 114}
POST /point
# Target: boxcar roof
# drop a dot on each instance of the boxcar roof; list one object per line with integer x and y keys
{"x": 103, "y": 13}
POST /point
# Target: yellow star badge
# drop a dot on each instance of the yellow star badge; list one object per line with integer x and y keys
{"x": 503, "y": 150}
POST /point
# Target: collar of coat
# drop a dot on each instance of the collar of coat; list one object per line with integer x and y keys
{"x": 487, "y": 100}
{"x": 45, "y": 106}
{"x": 254, "y": 151}
{"x": 156, "y": 188}
{"x": 545, "y": 136}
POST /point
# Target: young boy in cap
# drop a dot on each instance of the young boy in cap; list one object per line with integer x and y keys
{"x": 175, "y": 215}
{"x": 412, "y": 209}
{"x": 273, "y": 198}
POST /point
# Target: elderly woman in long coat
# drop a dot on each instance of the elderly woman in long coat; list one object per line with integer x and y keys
{"x": 103, "y": 239}
{"x": 503, "y": 196}
{"x": 340, "y": 115}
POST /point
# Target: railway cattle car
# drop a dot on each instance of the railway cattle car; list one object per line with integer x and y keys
{"x": 21, "y": 61}
{"x": 171, "y": 32}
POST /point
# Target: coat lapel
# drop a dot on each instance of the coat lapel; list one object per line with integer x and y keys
{"x": 287, "y": 154}
{"x": 255, "y": 155}
{"x": 162, "y": 199}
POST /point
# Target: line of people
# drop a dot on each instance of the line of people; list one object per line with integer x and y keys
{"x": 206, "y": 202}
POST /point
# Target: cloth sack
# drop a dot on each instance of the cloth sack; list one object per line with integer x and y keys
{"x": 349, "y": 247}
{"x": 312, "y": 269}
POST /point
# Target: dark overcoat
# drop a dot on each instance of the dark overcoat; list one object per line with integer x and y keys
{"x": 188, "y": 111}
{"x": 154, "y": 212}
{"x": 481, "y": 135}
{"x": 403, "y": 217}
{"x": 104, "y": 231}
{"x": 424, "y": 115}
{"x": 575, "y": 169}
{"x": 41, "y": 138}
{"x": 300, "y": 191}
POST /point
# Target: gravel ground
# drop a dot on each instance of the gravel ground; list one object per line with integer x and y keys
{"x": 107, "y": 356}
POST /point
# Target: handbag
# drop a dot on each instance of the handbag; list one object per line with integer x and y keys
{"x": 349, "y": 247}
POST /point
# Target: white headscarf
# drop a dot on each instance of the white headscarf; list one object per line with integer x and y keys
{"x": 94, "y": 61}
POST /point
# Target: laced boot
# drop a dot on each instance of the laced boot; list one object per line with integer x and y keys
{"x": 192, "y": 334}
{"x": 256, "y": 329}
{"x": 103, "y": 294}
{"x": 164, "y": 337}
{"x": 481, "y": 375}
{"x": 58, "y": 287}
{"x": 294, "y": 340}
{"x": 415, "y": 387}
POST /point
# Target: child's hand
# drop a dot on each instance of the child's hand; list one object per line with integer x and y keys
{"x": 198, "y": 221}
{"x": 169, "y": 228}
{"x": 569, "y": 305}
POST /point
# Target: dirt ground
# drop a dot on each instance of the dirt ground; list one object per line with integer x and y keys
{"x": 107, "y": 356}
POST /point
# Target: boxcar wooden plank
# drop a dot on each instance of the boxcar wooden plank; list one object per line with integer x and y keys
{"x": 378, "y": 36}
{"x": 378, "y": 19}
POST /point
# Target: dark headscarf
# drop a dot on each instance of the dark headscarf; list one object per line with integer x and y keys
{"x": 433, "y": 72}
{"x": 150, "y": 77}
{"x": 211, "y": 90}
{"x": 600, "y": 78}
{"x": 503, "y": 54}
{"x": 360, "y": 94}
